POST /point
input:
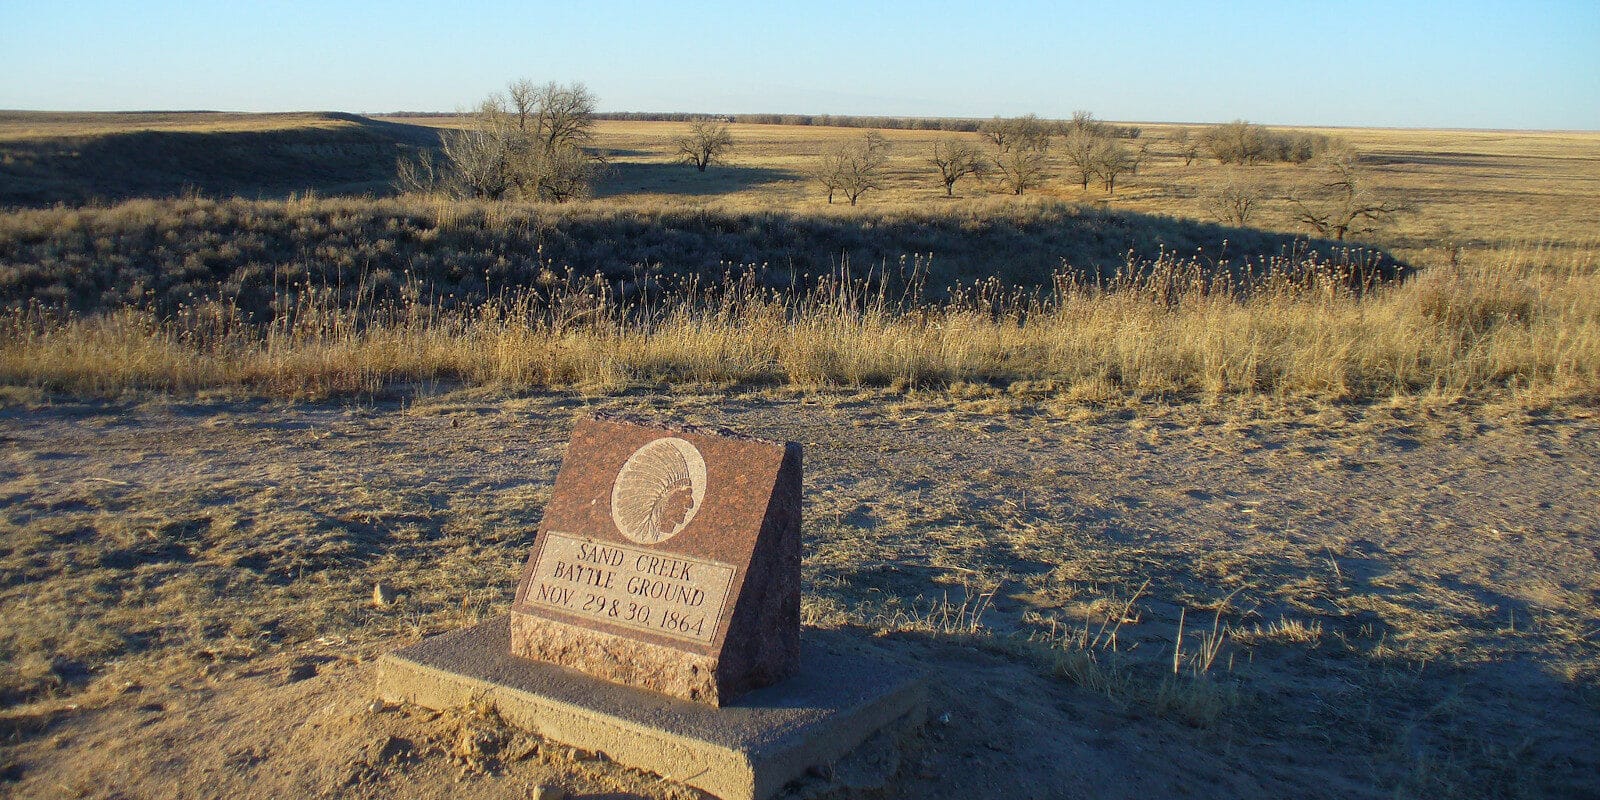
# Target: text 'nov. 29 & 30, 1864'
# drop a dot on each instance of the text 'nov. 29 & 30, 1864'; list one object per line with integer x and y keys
{"x": 644, "y": 589}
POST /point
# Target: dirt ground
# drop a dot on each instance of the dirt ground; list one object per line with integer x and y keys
{"x": 1376, "y": 601}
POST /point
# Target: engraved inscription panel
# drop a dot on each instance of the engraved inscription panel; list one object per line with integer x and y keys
{"x": 665, "y": 593}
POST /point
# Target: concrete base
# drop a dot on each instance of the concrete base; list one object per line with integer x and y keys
{"x": 745, "y": 751}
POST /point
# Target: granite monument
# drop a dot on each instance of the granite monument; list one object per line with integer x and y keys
{"x": 669, "y": 560}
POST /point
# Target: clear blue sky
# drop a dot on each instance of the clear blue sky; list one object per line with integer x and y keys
{"x": 1527, "y": 64}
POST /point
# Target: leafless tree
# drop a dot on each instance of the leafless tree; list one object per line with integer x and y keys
{"x": 1093, "y": 150}
{"x": 563, "y": 115}
{"x": 529, "y": 146}
{"x": 955, "y": 159}
{"x": 706, "y": 142}
{"x": 1006, "y": 133}
{"x": 1184, "y": 142}
{"x": 1084, "y": 122}
{"x": 482, "y": 155}
{"x": 828, "y": 169}
{"x": 523, "y": 100}
{"x": 1235, "y": 199}
{"x": 1343, "y": 203}
{"x": 862, "y": 166}
{"x": 1111, "y": 159}
{"x": 420, "y": 175}
{"x": 1081, "y": 147}
{"x": 1141, "y": 157}
{"x": 1022, "y": 166}
{"x": 1237, "y": 142}
{"x": 852, "y": 168}
{"x": 997, "y": 131}
{"x": 564, "y": 173}
{"x": 1021, "y": 145}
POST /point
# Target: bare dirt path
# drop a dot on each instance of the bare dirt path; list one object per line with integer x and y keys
{"x": 1406, "y": 599}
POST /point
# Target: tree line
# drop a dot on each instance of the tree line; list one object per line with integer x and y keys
{"x": 1017, "y": 154}
{"x": 531, "y": 142}
{"x": 949, "y": 124}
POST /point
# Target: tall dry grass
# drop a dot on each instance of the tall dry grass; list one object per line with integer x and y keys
{"x": 1525, "y": 323}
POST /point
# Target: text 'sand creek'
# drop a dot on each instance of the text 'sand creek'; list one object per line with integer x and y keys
{"x": 664, "y": 593}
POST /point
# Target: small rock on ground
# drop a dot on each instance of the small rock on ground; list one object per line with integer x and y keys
{"x": 545, "y": 791}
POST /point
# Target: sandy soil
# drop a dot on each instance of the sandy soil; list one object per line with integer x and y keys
{"x": 1378, "y": 601}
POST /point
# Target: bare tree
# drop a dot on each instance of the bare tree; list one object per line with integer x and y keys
{"x": 955, "y": 159}
{"x": 562, "y": 115}
{"x": 1082, "y": 143}
{"x": 706, "y": 142}
{"x": 482, "y": 155}
{"x": 1084, "y": 122}
{"x": 997, "y": 131}
{"x": 563, "y": 123}
{"x": 852, "y": 168}
{"x": 1081, "y": 147}
{"x": 1022, "y": 166}
{"x": 1111, "y": 159}
{"x": 564, "y": 173}
{"x": 523, "y": 97}
{"x": 1186, "y": 145}
{"x": 1021, "y": 145}
{"x": 828, "y": 169}
{"x": 1237, "y": 142}
{"x": 1141, "y": 157}
{"x": 528, "y": 146}
{"x": 862, "y": 166}
{"x": 1235, "y": 198}
{"x": 1008, "y": 132}
{"x": 1343, "y": 203}
{"x": 420, "y": 175}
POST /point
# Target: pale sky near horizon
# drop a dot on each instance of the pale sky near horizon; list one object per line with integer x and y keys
{"x": 1472, "y": 64}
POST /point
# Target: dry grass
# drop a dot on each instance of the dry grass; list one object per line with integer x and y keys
{"x": 21, "y": 125}
{"x": 1461, "y": 188}
{"x": 1410, "y": 614}
{"x": 1522, "y": 326}
{"x": 171, "y": 253}
{"x": 940, "y": 616}
{"x": 1502, "y": 226}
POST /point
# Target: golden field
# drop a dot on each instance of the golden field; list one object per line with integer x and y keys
{"x": 1498, "y": 226}
{"x": 1475, "y": 188}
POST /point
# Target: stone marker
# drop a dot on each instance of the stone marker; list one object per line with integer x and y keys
{"x": 669, "y": 560}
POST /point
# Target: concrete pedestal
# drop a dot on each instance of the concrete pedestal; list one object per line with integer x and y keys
{"x": 749, "y": 750}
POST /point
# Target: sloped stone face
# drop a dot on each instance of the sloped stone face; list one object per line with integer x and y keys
{"x": 667, "y": 559}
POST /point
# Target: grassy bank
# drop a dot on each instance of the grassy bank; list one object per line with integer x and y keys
{"x": 254, "y": 254}
{"x": 1524, "y": 322}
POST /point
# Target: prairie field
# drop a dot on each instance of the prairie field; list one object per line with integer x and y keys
{"x": 1163, "y": 505}
{"x": 744, "y": 274}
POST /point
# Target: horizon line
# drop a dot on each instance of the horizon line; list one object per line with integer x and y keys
{"x": 458, "y": 113}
